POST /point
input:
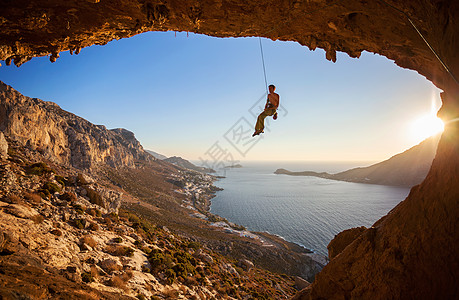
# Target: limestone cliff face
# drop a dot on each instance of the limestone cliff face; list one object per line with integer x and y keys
{"x": 64, "y": 137}
{"x": 409, "y": 254}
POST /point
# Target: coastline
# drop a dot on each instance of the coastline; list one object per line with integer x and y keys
{"x": 200, "y": 187}
{"x": 276, "y": 238}
{"x": 263, "y": 249}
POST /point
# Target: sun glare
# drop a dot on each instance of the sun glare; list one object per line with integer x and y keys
{"x": 426, "y": 126}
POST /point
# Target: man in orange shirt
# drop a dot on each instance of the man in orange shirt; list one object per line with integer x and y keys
{"x": 272, "y": 103}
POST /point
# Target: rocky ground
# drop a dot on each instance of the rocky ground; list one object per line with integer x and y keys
{"x": 63, "y": 235}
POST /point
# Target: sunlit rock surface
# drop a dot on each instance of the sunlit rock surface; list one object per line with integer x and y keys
{"x": 64, "y": 137}
{"x": 409, "y": 254}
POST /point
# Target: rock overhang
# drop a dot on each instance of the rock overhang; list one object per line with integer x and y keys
{"x": 38, "y": 28}
{"x": 414, "y": 246}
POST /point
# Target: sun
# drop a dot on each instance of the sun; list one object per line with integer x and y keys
{"x": 426, "y": 126}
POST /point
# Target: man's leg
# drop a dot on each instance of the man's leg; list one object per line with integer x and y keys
{"x": 261, "y": 121}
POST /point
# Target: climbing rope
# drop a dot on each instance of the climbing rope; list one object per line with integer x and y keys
{"x": 283, "y": 23}
{"x": 445, "y": 66}
{"x": 263, "y": 61}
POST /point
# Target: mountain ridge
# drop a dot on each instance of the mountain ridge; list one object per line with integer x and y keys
{"x": 156, "y": 154}
{"x": 408, "y": 168}
{"x": 181, "y": 162}
{"x": 64, "y": 137}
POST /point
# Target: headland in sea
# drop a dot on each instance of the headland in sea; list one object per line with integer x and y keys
{"x": 308, "y": 211}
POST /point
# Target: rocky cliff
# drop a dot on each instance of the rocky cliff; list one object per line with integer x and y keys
{"x": 409, "y": 254}
{"x": 404, "y": 169}
{"x": 58, "y": 240}
{"x": 63, "y": 137}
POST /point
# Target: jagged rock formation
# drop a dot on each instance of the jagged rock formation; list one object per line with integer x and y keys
{"x": 63, "y": 137}
{"x": 404, "y": 169}
{"x": 410, "y": 253}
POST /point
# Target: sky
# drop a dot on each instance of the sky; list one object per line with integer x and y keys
{"x": 197, "y": 97}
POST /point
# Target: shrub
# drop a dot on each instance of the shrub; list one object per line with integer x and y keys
{"x": 120, "y": 281}
{"x": 110, "y": 266}
{"x": 141, "y": 297}
{"x": 69, "y": 196}
{"x": 118, "y": 250}
{"x": 95, "y": 197}
{"x": 127, "y": 275}
{"x": 117, "y": 282}
{"x": 134, "y": 219}
{"x": 91, "y": 212}
{"x": 192, "y": 281}
{"x": 171, "y": 276}
{"x": 32, "y": 197}
{"x": 145, "y": 269}
{"x": 60, "y": 179}
{"x": 79, "y": 223}
{"x": 87, "y": 277}
{"x": 79, "y": 209}
{"x": 39, "y": 169}
{"x": 93, "y": 226}
{"x": 51, "y": 187}
{"x": 98, "y": 213}
{"x": 14, "y": 199}
{"x": 194, "y": 245}
{"x": 171, "y": 294}
{"x": 183, "y": 269}
{"x": 94, "y": 212}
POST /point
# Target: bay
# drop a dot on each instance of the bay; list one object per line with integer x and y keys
{"x": 305, "y": 210}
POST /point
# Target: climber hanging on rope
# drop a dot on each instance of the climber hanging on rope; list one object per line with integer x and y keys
{"x": 272, "y": 103}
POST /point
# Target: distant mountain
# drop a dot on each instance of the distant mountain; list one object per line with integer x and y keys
{"x": 178, "y": 161}
{"x": 157, "y": 155}
{"x": 405, "y": 169}
{"x": 63, "y": 137}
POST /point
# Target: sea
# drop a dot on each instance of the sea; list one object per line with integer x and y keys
{"x": 305, "y": 210}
